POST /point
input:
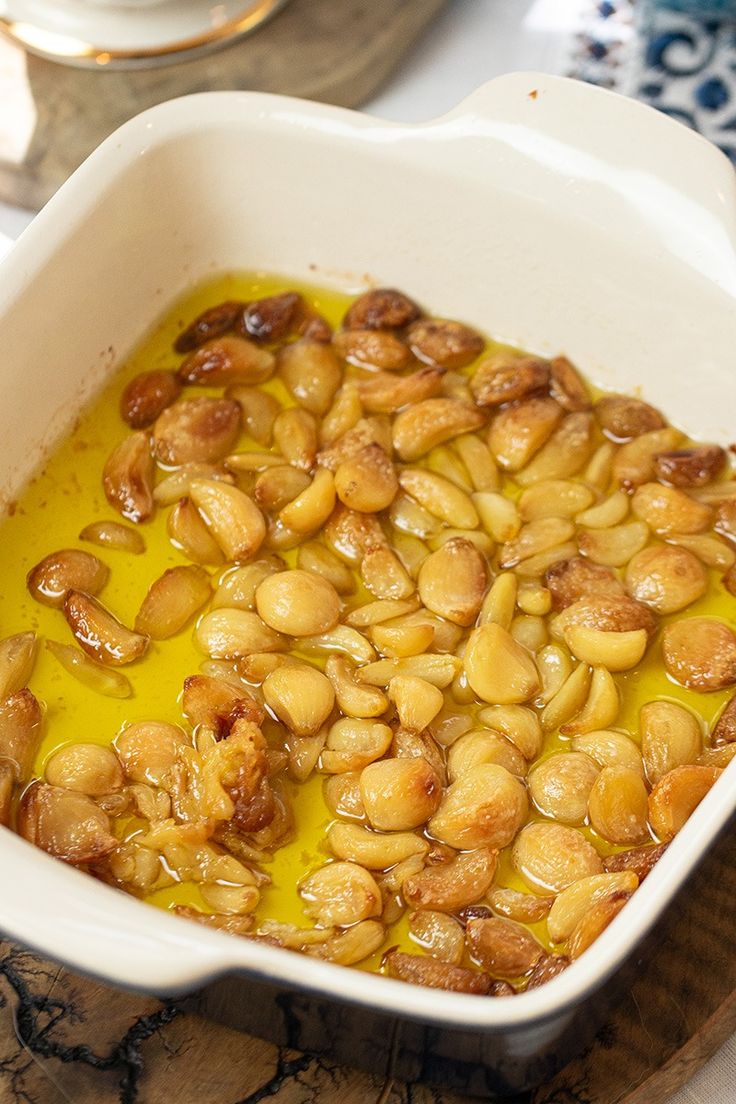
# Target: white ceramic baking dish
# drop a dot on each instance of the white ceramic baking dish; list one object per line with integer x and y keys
{"x": 549, "y": 213}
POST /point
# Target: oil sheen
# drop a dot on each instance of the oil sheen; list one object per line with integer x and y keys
{"x": 67, "y": 495}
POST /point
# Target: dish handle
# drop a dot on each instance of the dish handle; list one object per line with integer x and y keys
{"x": 641, "y": 168}
{"x": 100, "y": 931}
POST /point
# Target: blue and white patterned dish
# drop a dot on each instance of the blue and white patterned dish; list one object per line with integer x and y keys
{"x": 719, "y": 9}
{"x": 682, "y": 64}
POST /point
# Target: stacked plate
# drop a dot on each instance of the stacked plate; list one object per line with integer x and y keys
{"x": 129, "y": 33}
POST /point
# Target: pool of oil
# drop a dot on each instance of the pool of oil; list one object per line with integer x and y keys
{"x": 67, "y": 494}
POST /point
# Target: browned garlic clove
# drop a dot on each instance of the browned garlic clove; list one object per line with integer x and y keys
{"x": 127, "y": 478}
{"x": 68, "y": 825}
{"x": 381, "y": 309}
{"x": 211, "y": 323}
{"x": 17, "y": 658}
{"x": 99, "y": 633}
{"x": 147, "y": 396}
{"x": 50, "y": 581}
{"x": 20, "y": 731}
{"x": 200, "y": 430}
{"x": 227, "y": 360}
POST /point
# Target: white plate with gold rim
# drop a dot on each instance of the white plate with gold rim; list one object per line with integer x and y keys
{"x": 129, "y": 33}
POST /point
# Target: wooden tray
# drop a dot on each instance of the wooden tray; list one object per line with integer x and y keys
{"x": 339, "y": 51}
{"x": 66, "y": 1039}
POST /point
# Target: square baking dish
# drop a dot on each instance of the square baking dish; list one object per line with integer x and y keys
{"x": 551, "y": 214}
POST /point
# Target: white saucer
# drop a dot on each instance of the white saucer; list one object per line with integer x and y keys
{"x": 129, "y": 33}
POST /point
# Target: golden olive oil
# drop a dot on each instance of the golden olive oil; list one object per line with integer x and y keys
{"x": 67, "y": 495}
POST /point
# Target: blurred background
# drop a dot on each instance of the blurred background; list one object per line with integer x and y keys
{"x": 72, "y": 70}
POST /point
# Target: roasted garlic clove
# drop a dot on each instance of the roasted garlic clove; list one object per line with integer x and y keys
{"x": 560, "y": 786}
{"x": 85, "y": 768}
{"x": 399, "y": 794}
{"x": 231, "y": 516}
{"x": 298, "y": 603}
{"x": 309, "y": 510}
{"x": 507, "y": 377}
{"x": 217, "y": 704}
{"x": 453, "y": 883}
{"x": 444, "y": 343}
{"x": 172, "y": 601}
{"x": 617, "y": 806}
{"x": 178, "y": 483}
{"x": 381, "y": 309}
{"x": 311, "y": 374}
{"x": 498, "y": 669}
{"x": 424, "y": 970}
{"x": 623, "y": 418}
{"x": 384, "y": 393}
{"x": 377, "y": 349}
{"x": 520, "y": 430}
{"x": 640, "y": 860}
{"x": 666, "y": 578}
{"x": 103, "y": 680}
{"x": 115, "y": 535}
{"x": 200, "y": 430}
{"x": 690, "y": 467}
{"x": 441, "y": 497}
{"x": 677, "y": 795}
{"x": 273, "y": 317}
{"x": 20, "y": 731}
{"x": 50, "y": 581}
{"x": 367, "y": 482}
{"x": 147, "y": 396}
{"x": 595, "y": 921}
{"x": 259, "y": 411}
{"x": 149, "y": 751}
{"x": 230, "y": 633}
{"x": 671, "y": 736}
{"x": 227, "y": 360}
{"x": 17, "y": 658}
{"x": 565, "y": 453}
{"x": 700, "y": 653}
{"x": 502, "y": 947}
{"x": 484, "y": 808}
{"x": 417, "y": 701}
{"x": 553, "y": 856}
{"x": 573, "y": 579}
{"x": 295, "y": 435}
{"x": 213, "y": 322}
{"x": 426, "y": 424}
{"x": 340, "y": 893}
{"x": 188, "y": 532}
{"x": 99, "y": 633}
{"x": 301, "y": 697}
{"x": 453, "y": 580}
{"x": 68, "y": 825}
{"x": 127, "y": 478}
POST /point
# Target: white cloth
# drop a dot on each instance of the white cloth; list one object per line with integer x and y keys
{"x": 472, "y": 41}
{"x": 714, "y": 1083}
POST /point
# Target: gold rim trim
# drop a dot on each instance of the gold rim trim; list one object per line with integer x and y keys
{"x": 66, "y": 48}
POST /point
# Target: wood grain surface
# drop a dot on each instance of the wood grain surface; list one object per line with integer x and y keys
{"x": 66, "y": 1039}
{"x": 338, "y": 52}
